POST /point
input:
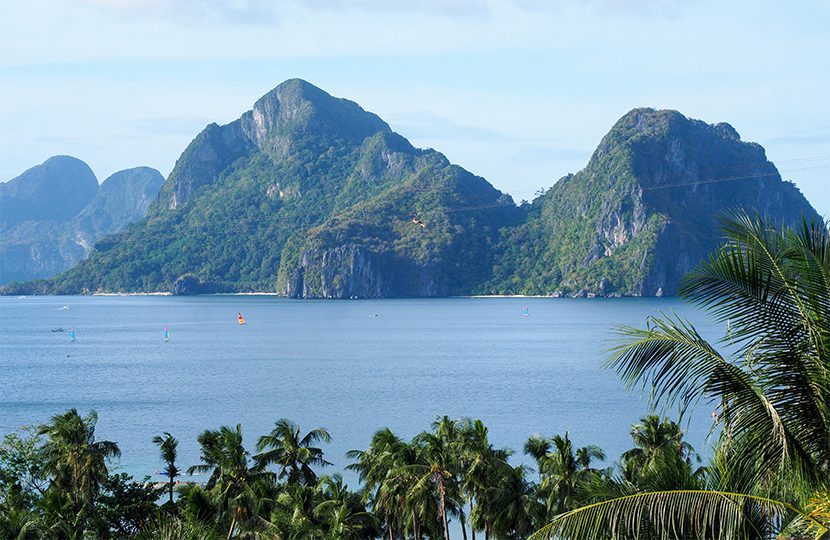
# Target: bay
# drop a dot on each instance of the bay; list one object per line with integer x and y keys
{"x": 349, "y": 366}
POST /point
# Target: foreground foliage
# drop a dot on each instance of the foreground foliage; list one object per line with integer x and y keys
{"x": 55, "y": 484}
{"x": 770, "y": 388}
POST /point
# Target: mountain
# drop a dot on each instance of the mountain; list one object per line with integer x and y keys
{"x": 53, "y": 214}
{"x": 644, "y": 211}
{"x": 311, "y": 196}
{"x": 55, "y": 190}
{"x": 308, "y": 195}
{"x": 122, "y": 198}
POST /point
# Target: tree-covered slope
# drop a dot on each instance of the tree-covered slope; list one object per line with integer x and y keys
{"x": 645, "y": 209}
{"x": 252, "y": 205}
{"x": 425, "y": 228}
{"x": 311, "y": 196}
{"x": 57, "y": 211}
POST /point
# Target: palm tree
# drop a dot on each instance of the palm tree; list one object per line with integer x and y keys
{"x": 342, "y": 510}
{"x": 390, "y": 470}
{"x": 516, "y": 509}
{"x": 481, "y": 467}
{"x": 76, "y": 464}
{"x": 20, "y": 524}
{"x": 586, "y": 455}
{"x": 561, "y": 468}
{"x": 296, "y": 517}
{"x": 232, "y": 478}
{"x": 657, "y": 441}
{"x": 167, "y": 447}
{"x": 771, "y": 392}
{"x": 439, "y": 452}
{"x": 171, "y": 528}
{"x": 292, "y": 453}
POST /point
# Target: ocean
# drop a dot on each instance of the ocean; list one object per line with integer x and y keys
{"x": 523, "y": 365}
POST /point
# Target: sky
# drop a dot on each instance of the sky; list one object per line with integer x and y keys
{"x": 517, "y": 91}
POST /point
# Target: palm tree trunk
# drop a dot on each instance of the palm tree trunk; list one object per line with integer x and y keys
{"x": 171, "y": 490}
{"x": 389, "y": 523}
{"x": 415, "y": 530}
{"x": 486, "y": 530}
{"x": 472, "y": 525}
{"x": 463, "y": 524}
{"x": 442, "y": 499}
{"x": 233, "y": 525}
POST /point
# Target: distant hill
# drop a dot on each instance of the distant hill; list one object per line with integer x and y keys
{"x": 644, "y": 211}
{"x": 311, "y": 196}
{"x": 52, "y": 214}
{"x": 55, "y": 190}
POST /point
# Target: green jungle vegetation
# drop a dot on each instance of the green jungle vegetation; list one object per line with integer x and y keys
{"x": 308, "y": 195}
{"x": 768, "y": 475}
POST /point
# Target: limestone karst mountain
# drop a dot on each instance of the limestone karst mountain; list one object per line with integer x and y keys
{"x": 52, "y": 214}
{"x": 309, "y": 195}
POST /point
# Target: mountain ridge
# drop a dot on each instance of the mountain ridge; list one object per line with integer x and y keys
{"x": 310, "y": 196}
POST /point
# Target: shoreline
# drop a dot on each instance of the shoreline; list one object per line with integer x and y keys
{"x": 278, "y": 295}
{"x": 160, "y": 293}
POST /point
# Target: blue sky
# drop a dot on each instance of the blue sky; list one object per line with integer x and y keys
{"x": 517, "y": 91}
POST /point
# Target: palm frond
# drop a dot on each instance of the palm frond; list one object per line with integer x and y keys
{"x": 668, "y": 515}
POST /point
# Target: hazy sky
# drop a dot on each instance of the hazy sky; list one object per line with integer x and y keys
{"x": 517, "y": 91}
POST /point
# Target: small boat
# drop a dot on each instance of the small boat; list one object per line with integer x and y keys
{"x": 64, "y": 308}
{"x": 21, "y": 297}
{"x": 72, "y": 334}
{"x": 240, "y": 318}
{"x": 57, "y": 329}
{"x": 166, "y": 335}
{"x": 525, "y": 313}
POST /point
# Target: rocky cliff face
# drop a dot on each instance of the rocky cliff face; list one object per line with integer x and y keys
{"x": 375, "y": 249}
{"x": 50, "y": 230}
{"x": 648, "y": 205}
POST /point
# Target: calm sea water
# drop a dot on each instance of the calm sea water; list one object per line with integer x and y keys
{"x": 349, "y": 366}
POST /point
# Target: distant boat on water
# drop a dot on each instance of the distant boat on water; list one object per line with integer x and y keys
{"x": 72, "y": 334}
{"x": 241, "y": 318}
{"x": 64, "y": 308}
{"x": 166, "y": 335}
{"x": 60, "y": 329}
{"x": 525, "y": 312}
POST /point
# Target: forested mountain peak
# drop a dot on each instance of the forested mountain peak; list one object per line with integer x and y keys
{"x": 296, "y": 120}
{"x": 308, "y": 195}
{"x": 296, "y": 107}
{"x": 646, "y": 208}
